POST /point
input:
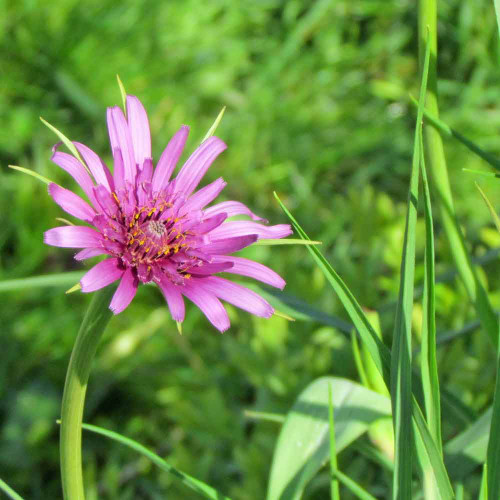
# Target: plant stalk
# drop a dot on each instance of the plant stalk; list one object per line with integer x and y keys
{"x": 94, "y": 323}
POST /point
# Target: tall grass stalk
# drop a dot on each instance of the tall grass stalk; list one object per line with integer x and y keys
{"x": 427, "y": 21}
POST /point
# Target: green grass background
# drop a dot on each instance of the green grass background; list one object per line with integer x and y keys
{"x": 316, "y": 96}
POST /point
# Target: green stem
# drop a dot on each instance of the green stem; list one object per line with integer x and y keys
{"x": 427, "y": 25}
{"x": 77, "y": 376}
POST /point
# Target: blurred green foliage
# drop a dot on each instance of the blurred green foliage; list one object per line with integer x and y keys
{"x": 317, "y": 110}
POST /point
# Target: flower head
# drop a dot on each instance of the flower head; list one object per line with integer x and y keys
{"x": 158, "y": 229}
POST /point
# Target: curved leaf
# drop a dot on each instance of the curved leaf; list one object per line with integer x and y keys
{"x": 303, "y": 444}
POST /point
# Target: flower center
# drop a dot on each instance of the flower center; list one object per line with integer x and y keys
{"x": 157, "y": 228}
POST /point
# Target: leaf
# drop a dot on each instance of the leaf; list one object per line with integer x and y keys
{"x": 467, "y": 451}
{"x": 430, "y": 379}
{"x": 191, "y": 482}
{"x": 379, "y": 353}
{"x": 32, "y": 173}
{"x": 303, "y": 444}
{"x": 444, "y": 200}
{"x": 213, "y": 128}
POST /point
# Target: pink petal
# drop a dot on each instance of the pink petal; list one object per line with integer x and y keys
{"x": 229, "y": 245}
{"x": 174, "y": 299}
{"x": 106, "y": 202}
{"x": 71, "y": 203}
{"x": 120, "y": 138}
{"x": 146, "y": 173}
{"x": 139, "y": 129}
{"x": 101, "y": 275}
{"x": 76, "y": 170}
{"x": 206, "y": 269}
{"x": 125, "y": 292}
{"x": 169, "y": 158}
{"x": 238, "y": 295}
{"x": 240, "y": 228}
{"x": 197, "y": 164}
{"x": 255, "y": 270}
{"x": 87, "y": 253}
{"x": 118, "y": 170}
{"x": 99, "y": 170}
{"x": 210, "y": 224}
{"x": 209, "y": 304}
{"x": 232, "y": 208}
{"x": 204, "y": 196}
{"x": 72, "y": 237}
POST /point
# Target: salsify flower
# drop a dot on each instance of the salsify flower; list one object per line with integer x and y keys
{"x": 158, "y": 229}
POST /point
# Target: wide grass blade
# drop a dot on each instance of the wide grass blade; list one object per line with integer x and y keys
{"x": 191, "y": 482}
{"x": 303, "y": 445}
{"x": 493, "y": 454}
{"x": 9, "y": 491}
{"x": 467, "y": 451}
{"x": 379, "y": 353}
{"x": 475, "y": 290}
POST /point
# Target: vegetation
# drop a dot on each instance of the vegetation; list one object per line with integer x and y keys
{"x": 318, "y": 110}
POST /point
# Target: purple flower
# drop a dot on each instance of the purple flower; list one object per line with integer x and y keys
{"x": 158, "y": 229}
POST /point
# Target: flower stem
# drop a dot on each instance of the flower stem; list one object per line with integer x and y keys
{"x": 77, "y": 376}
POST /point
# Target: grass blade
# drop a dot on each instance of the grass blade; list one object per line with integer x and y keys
{"x": 467, "y": 451}
{"x": 352, "y": 485}
{"x": 401, "y": 391}
{"x": 213, "y": 128}
{"x": 9, "y": 491}
{"x": 285, "y": 241}
{"x": 191, "y": 482}
{"x": 67, "y": 143}
{"x": 379, "y": 353}
{"x": 444, "y": 200}
{"x": 428, "y": 363}
{"x": 493, "y": 453}
{"x": 48, "y": 280}
{"x": 483, "y": 492}
{"x": 447, "y": 131}
{"x": 430, "y": 379}
{"x": 32, "y": 173}
{"x": 334, "y": 484}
